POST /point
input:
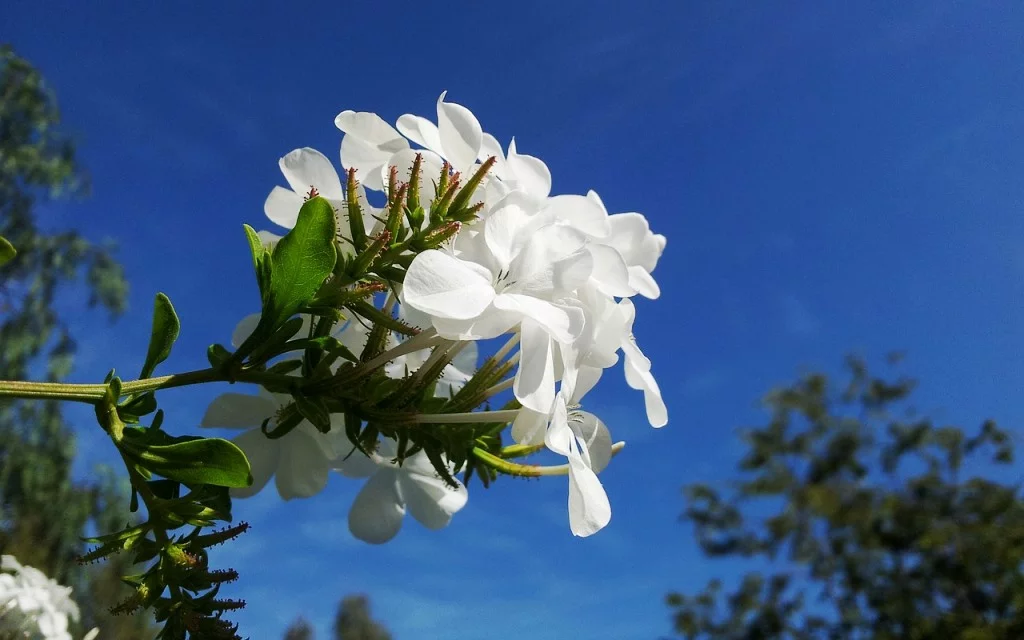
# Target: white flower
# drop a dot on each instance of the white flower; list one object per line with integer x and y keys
{"x": 368, "y": 145}
{"x": 378, "y": 510}
{"x": 32, "y": 604}
{"x": 304, "y": 169}
{"x": 298, "y": 461}
{"x": 518, "y": 276}
{"x": 456, "y": 137}
{"x": 584, "y": 440}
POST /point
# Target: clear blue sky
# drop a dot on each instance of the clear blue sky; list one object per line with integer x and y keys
{"x": 830, "y": 176}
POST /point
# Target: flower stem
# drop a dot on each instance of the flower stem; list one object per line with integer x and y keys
{"x": 94, "y": 393}
{"x": 527, "y": 470}
{"x": 498, "y": 388}
{"x": 422, "y": 340}
{"x": 505, "y": 348}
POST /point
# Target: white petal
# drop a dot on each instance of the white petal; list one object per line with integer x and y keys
{"x": 534, "y": 384}
{"x": 572, "y": 273}
{"x": 302, "y": 469}
{"x": 503, "y": 228}
{"x": 580, "y": 212}
{"x": 421, "y": 131}
{"x": 657, "y": 412}
{"x": 305, "y": 168}
{"x": 444, "y": 286}
{"x": 586, "y": 379}
{"x": 589, "y": 509}
{"x": 490, "y": 147}
{"x": 610, "y": 271}
{"x": 282, "y": 207}
{"x": 492, "y": 323}
{"x": 531, "y": 174}
{"x": 430, "y": 500}
{"x": 631, "y": 235}
{"x": 644, "y": 284}
{"x": 563, "y": 323}
{"x": 460, "y": 134}
{"x": 238, "y": 411}
{"x": 534, "y": 268}
{"x": 244, "y": 329}
{"x": 377, "y": 512}
{"x": 559, "y": 437}
{"x": 262, "y": 454}
{"x": 529, "y": 427}
{"x": 595, "y": 436}
{"x": 268, "y": 238}
{"x": 369, "y": 127}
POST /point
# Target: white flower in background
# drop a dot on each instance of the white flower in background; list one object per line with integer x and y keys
{"x": 32, "y": 605}
{"x": 298, "y": 461}
{"x": 379, "y": 508}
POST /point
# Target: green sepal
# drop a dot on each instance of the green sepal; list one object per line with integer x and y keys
{"x": 166, "y": 328}
{"x": 119, "y": 536}
{"x": 7, "y": 251}
{"x": 378, "y": 317}
{"x": 314, "y": 410}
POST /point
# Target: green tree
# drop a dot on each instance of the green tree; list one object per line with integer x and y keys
{"x": 354, "y": 621}
{"x": 300, "y": 630}
{"x": 880, "y": 530}
{"x": 43, "y": 512}
{"x": 869, "y": 510}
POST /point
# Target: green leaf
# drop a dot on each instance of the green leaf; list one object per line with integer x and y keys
{"x": 302, "y": 260}
{"x": 204, "y": 461}
{"x": 7, "y": 251}
{"x": 260, "y": 259}
{"x": 165, "y": 331}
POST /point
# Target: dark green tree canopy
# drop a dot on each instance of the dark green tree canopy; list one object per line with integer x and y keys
{"x": 870, "y": 512}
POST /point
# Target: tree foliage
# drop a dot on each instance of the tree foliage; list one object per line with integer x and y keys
{"x": 43, "y": 511}
{"x": 353, "y": 622}
{"x": 881, "y": 531}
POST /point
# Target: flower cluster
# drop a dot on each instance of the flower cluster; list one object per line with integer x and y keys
{"x": 34, "y": 606}
{"x": 548, "y": 277}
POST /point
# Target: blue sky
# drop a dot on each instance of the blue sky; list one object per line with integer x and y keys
{"x": 829, "y": 177}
